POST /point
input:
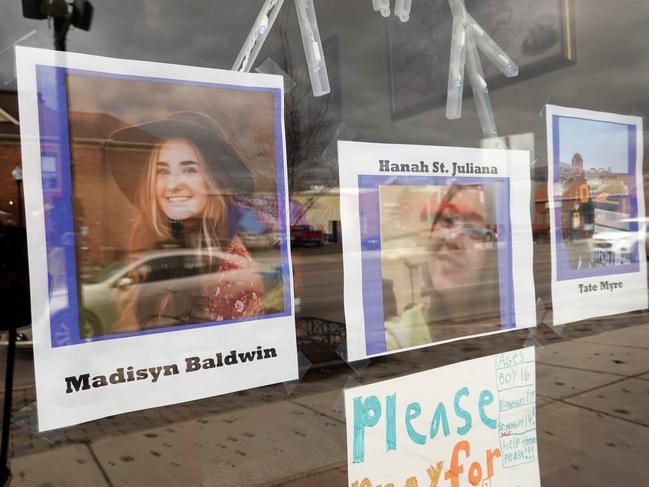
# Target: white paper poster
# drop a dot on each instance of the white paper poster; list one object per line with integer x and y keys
{"x": 597, "y": 213}
{"x": 146, "y": 185}
{"x": 437, "y": 244}
{"x": 467, "y": 424}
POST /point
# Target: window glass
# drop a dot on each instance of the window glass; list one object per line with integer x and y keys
{"x": 437, "y": 244}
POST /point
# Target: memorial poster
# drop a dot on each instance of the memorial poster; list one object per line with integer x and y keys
{"x": 437, "y": 244}
{"x": 597, "y": 213}
{"x": 152, "y": 193}
{"x": 471, "y": 423}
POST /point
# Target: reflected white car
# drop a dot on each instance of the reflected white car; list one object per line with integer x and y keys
{"x": 611, "y": 247}
{"x": 180, "y": 274}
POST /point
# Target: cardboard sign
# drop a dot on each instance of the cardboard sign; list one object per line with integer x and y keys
{"x": 144, "y": 201}
{"x": 437, "y": 244}
{"x": 467, "y": 424}
{"x": 597, "y": 213}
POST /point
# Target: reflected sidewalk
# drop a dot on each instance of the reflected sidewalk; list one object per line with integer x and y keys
{"x": 593, "y": 423}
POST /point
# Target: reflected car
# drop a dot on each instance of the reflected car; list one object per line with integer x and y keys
{"x": 642, "y": 224}
{"x": 611, "y": 247}
{"x": 175, "y": 272}
{"x": 478, "y": 232}
{"x": 256, "y": 240}
{"x": 306, "y": 235}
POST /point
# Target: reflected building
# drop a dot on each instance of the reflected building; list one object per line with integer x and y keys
{"x": 10, "y": 202}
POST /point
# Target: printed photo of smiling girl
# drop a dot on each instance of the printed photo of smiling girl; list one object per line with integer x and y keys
{"x": 182, "y": 176}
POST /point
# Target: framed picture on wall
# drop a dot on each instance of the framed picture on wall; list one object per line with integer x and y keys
{"x": 538, "y": 36}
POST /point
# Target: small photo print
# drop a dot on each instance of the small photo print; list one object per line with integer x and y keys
{"x": 156, "y": 210}
{"x": 175, "y": 203}
{"x": 439, "y": 262}
{"x": 597, "y": 214}
{"x": 436, "y": 246}
{"x": 598, "y": 210}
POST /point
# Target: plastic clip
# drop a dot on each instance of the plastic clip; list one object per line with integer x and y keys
{"x": 467, "y": 38}
{"x": 490, "y": 49}
{"x": 402, "y": 9}
{"x": 312, "y": 47}
{"x": 480, "y": 89}
{"x": 382, "y": 6}
{"x": 257, "y": 36}
{"x": 456, "y": 69}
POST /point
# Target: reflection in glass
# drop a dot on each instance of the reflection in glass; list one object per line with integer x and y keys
{"x": 439, "y": 262}
{"x": 176, "y": 217}
{"x": 596, "y": 211}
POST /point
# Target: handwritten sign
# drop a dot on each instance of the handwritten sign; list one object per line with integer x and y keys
{"x": 467, "y": 424}
{"x": 516, "y": 408}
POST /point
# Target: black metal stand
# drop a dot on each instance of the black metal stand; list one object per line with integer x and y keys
{"x": 61, "y": 27}
{"x": 5, "y": 474}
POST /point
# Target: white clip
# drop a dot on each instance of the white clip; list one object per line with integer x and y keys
{"x": 466, "y": 39}
{"x": 260, "y": 29}
{"x": 312, "y": 47}
{"x": 382, "y": 6}
{"x": 402, "y": 9}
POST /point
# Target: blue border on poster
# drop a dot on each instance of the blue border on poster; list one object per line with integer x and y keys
{"x": 563, "y": 270}
{"x": 368, "y": 186}
{"x": 59, "y": 217}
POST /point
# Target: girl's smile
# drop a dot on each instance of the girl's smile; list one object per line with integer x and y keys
{"x": 182, "y": 190}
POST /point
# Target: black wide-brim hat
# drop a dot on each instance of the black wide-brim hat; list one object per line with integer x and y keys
{"x": 128, "y": 151}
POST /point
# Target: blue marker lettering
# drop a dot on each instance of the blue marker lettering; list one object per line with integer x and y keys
{"x": 462, "y": 413}
{"x": 366, "y": 413}
{"x": 412, "y": 411}
{"x": 391, "y": 422}
{"x": 439, "y": 417}
{"x": 486, "y": 398}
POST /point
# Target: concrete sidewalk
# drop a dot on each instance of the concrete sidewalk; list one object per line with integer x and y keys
{"x": 593, "y": 429}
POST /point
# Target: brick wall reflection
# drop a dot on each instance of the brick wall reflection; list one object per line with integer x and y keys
{"x": 103, "y": 216}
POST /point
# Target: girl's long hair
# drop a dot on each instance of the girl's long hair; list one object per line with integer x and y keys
{"x": 153, "y": 227}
